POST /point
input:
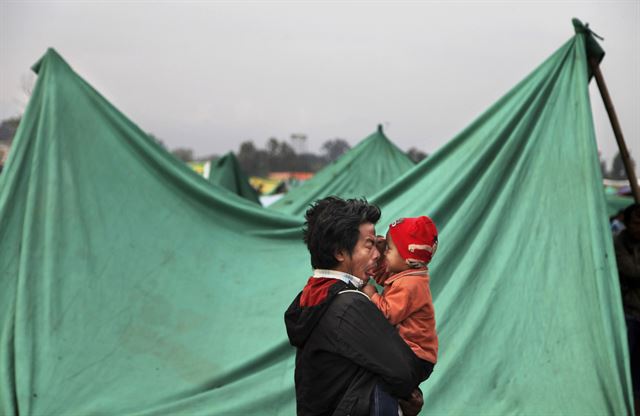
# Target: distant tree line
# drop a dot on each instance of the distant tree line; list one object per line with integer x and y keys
{"x": 277, "y": 156}
{"x": 280, "y": 156}
{"x": 617, "y": 170}
{"x": 8, "y": 129}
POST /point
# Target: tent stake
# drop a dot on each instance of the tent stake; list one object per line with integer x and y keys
{"x": 617, "y": 131}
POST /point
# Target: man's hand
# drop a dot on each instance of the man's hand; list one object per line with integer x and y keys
{"x": 381, "y": 245}
{"x": 369, "y": 290}
{"x": 412, "y": 405}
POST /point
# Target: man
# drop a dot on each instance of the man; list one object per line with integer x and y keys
{"x": 345, "y": 346}
{"x": 627, "y": 246}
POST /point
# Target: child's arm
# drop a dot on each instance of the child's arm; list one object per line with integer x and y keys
{"x": 401, "y": 300}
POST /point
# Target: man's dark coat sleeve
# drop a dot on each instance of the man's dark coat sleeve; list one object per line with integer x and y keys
{"x": 364, "y": 336}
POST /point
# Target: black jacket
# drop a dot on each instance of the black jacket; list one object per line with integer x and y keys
{"x": 628, "y": 259}
{"x": 344, "y": 347}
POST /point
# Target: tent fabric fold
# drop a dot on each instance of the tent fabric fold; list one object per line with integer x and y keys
{"x": 617, "y": 203}
{"x": 226, "y": 172}
{"x": 130, "y": 285}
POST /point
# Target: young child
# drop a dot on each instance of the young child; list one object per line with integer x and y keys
{"x": 406, "y": 300}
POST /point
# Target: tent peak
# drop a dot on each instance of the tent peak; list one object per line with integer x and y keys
{"x": 50, "y": 55}
{"x": 594, "y": 50}
{"x": 580, "y": 27}
{"x": 380, "y": 129}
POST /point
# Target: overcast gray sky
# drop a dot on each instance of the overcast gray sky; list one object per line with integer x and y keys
{"x": 209, "y": 75}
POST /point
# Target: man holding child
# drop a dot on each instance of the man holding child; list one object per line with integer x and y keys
{"x": 350, "y": 360}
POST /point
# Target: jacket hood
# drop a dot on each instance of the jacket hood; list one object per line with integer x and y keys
{"x": 309, "y": 306}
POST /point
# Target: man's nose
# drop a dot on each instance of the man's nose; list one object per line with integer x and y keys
{"x": 376, "y": 253}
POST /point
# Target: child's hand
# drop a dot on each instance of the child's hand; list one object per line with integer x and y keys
{"x": 379, "y": 271}
{"x": 369, "y": 290}
{"x": 381, "y": 245}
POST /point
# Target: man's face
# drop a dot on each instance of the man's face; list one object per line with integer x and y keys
{"x": 364, "y": 255}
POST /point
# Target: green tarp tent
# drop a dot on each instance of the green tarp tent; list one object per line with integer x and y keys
{"x": 361, "y": 172}
{"x": 226, "y": 172}
{"x": 525, "y": 281}
{"x": 615, "y": 203}
{"x": 129, "y": 285}
{"x": 122, "y": 272}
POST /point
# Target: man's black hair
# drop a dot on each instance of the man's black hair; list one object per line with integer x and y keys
{"x": 631, "y": 210}
{"x": 333, "y": 224}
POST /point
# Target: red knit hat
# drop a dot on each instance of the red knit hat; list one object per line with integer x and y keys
{"x": 415, "y": 238}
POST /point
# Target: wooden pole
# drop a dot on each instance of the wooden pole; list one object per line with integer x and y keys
{"x": 617, "y": 131}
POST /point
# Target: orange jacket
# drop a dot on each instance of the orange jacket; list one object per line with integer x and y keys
{"x": 406, "y": 302}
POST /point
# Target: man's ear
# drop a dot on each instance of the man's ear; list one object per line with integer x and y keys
{"x": 340, "y": 255}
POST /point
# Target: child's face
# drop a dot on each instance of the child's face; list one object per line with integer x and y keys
{"x": 395, "y": 262}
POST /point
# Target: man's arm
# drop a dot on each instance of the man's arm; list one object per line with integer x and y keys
{"x": 366, "y": 338}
